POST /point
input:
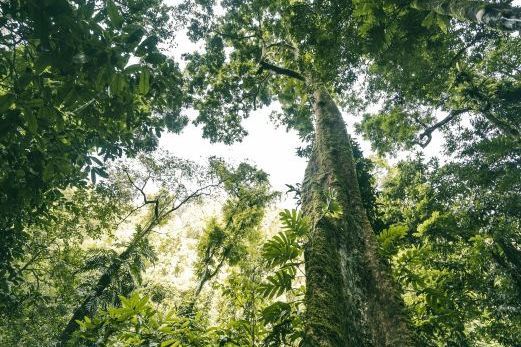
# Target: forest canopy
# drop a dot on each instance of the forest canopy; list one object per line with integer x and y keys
{"x": 110, "y": 238}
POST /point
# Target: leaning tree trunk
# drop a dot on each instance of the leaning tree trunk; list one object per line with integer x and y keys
{"x": 84, "y": 308}
{"x": 494, "y": 15}
{"x": 350, "y": 301}
{"x": 105, "y": 280}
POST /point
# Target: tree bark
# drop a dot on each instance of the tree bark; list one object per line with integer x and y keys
{"x": 350, "y": 301}
{"x": 497, "y": 16}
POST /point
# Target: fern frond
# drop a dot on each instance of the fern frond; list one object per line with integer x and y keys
{"x": 280, "y": 249}
{"x": 276, "y": 312}
{"x": 294, "y": 222}
{"x": 279, "y": 283}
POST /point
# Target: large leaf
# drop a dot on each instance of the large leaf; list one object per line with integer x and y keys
{"x": 144, "y": 82}
{"x": 279, "y": 283}
{"x": 281, "y": 249}
{"x": 294, "y": 222}
{"x": 114, "y": 15}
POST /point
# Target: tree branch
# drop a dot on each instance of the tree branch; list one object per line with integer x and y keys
{"x": 501, "y": 124}
{"x": 264, "y": 65}
{"x": 280, "y": 44}
{"x": 107, "y": 277}
{"x": 236, "y": 37}
{"x": 426, "y": 137}
{"x": 197, "y": 193}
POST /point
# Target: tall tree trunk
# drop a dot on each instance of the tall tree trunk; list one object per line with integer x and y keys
{"x": 494, "y": 15}
{"x": 350, "y": 301}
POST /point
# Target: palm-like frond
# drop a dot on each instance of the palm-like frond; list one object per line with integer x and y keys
{"x": 278, "y": 283}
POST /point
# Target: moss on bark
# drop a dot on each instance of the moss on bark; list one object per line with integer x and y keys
{"x": 350, "y": 300}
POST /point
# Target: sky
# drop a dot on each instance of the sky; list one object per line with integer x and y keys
{"x": 270, "y": 148}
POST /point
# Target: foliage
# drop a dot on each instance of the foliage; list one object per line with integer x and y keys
{"x": 283, "y": 253}
{"x": 137, "y": 323}
{"x": 81, "y": 82}
{"x": 390, "y": 131}
{"x": 246, "y": 316}
{"x": 239, "y": 321}
{"x": 226, "y": 242}
{"x": 451, "y": 246}
{"x": 434, "y": 72}
{"x": 175, "y": 190}
{"x": 55, "y": 267}
{"x": 243, "y": 48}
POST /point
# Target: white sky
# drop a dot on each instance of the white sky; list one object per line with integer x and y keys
{"x": 271, "y": 149}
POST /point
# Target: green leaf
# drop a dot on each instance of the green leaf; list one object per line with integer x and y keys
{"x": 114, "y": 15}
{"x": 136, "y": 32}
{"x": 279, "y": 283}
{"x": 294, "y": 222}
{"x": 133, "y": 68}
{"x": 32, "y": 122}
{"x": 275, "y": 311}
{"x": 93, "y": 175}
{"x": 144, "y": 82}
{"x": 389, "y": 239}
{"x": 280, "y": 249}
{"x": 96, "y": 160}
{"x": 101, "y": 172}
{"x": 443, "y": 23}
{"x": 101, "y": 78}
{"x": 170, "y": 342}
{"x": 5, "y": 102}
{"x": 429, "y": 20}
{"x": 332, "y": 208}
{"x": 48, "y": 172}
{"x": 117, "y": 84}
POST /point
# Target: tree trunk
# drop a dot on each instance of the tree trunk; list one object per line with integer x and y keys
{"x": 105, "y": 280}
{"x": 350, "y": 301}
{"x": 103, "y": 283}
{"x": 494, "y": 15}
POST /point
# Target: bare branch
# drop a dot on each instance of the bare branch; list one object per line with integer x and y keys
{"x": 426, "y": 136}
{"x": 197, "y": 193}
{"x": 129, "y": 214}
{"x": 281, "y": 44}
{"x": 501, "y": 124}
{"x": 140, "y": 189}
{"x": 236, "y": 37}
{"x": 264, "y": 65}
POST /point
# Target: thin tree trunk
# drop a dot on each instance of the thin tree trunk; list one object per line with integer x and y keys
{"x": 350, "y": 301}
{"x": 107, "y": 278}
{"x": 103, "y": 283}
{"x": 494, "y": 15}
